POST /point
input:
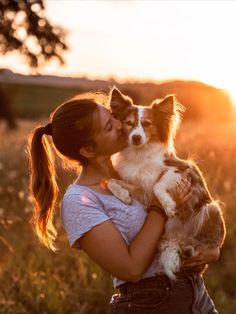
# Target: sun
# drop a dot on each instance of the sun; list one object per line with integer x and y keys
{"x": 232, "y": 94}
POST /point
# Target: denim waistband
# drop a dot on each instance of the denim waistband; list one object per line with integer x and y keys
{"x": 158, "y": 281}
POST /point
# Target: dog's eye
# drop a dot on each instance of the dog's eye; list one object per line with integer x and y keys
{"x": 146, "y": 123}
{"x": 129, "y": 123}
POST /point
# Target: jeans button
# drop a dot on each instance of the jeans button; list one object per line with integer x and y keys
{"x": 167, "y": 288}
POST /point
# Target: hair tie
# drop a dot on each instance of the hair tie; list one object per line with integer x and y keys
{"x": 48, "y": 129}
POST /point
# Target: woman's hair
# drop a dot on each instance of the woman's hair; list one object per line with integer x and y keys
{"x": 72, "y": 127}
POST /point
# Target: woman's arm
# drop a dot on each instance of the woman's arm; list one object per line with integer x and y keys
{"x": 106, "y": 246}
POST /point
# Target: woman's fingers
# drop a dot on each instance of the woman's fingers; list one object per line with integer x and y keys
{"x": 193, "y": 264}
{"x": 187, "y": 196}
{"x": 196, "y": 261}
{"x": 202, "y": 256}
{"x": 183, "y": 191}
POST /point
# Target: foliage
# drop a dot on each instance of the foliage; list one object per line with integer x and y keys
{"x": 34, "y": 280}
{"x": 25, "y": 28}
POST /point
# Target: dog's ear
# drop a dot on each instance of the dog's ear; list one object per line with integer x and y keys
{"x": 168, "y": 107}
{"x": 167, "y": 117}
{"x": 119, "y": 103}
{"x": 165, "y": 106}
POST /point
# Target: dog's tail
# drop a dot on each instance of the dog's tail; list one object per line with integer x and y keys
{"x": 197, "y": 221}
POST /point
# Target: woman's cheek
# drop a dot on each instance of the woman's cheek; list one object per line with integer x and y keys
{"x": 126, "y": 129}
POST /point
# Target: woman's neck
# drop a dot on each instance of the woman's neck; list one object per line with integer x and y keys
{"x": 96, "y": 172}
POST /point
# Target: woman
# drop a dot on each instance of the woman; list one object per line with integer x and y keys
{"x": 122, "y": 239}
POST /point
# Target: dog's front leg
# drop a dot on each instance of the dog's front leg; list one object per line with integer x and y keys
{"x": 123, "y": 190}
{"x": 169, "y": 180}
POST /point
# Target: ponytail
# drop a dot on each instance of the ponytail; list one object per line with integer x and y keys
{"x": 43, "y": 186}
{"x": 71, "y": 128}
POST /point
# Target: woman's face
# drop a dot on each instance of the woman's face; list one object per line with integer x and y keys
{"x": 109, "y": 136}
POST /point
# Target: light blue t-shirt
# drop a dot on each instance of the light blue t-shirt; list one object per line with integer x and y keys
{"x": 82, "y": 209}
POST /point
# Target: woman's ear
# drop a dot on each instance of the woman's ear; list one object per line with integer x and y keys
{"x": 87, "y": 151}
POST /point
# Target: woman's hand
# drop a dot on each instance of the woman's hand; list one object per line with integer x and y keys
{"x": 203, "y": 256}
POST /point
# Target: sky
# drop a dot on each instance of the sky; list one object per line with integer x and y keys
{"x": 145, "y": 40}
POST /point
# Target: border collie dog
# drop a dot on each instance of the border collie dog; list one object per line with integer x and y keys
{"x": 150, "y": 164}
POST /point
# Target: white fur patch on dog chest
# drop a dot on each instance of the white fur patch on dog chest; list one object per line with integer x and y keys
{"x": 141, "y": 168}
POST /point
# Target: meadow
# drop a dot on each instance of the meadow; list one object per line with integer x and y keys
{"x": 34, "y": 280}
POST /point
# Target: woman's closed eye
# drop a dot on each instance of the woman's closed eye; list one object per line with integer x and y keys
{"x": 109, "y": 128}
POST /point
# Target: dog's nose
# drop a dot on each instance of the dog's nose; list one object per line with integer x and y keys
{"x": 136, "y": 139}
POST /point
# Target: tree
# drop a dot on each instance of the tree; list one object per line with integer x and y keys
{"x": 24, "y": 27}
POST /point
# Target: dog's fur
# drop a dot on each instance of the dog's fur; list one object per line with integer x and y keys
{"x": 150, "y": 163}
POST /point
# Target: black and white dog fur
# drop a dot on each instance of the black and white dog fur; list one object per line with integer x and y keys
{"x": 149, "y": 162}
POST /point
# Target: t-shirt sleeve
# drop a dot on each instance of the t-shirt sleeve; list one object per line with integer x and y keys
{"x": 79, "y": 214}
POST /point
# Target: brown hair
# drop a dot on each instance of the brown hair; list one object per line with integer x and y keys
{"x": 71, "y": 128}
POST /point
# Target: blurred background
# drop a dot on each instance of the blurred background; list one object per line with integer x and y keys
{"x": 51, "y": 50}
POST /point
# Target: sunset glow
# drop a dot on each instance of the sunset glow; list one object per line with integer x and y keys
{"x": 145, "y": 40}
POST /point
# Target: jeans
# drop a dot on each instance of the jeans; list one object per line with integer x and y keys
{"x": 160, "y": 295}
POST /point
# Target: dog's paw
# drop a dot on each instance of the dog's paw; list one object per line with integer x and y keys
{"x": 170, "y": 210}
{"x": 125, "y": 197}
{"x": 119, "y": 192}
{"x": 168, "y": 205}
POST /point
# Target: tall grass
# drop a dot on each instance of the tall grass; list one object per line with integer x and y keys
{"x": 34, "y": 280}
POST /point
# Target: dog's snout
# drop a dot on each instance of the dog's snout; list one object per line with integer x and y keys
{"x": 136, "y": 139}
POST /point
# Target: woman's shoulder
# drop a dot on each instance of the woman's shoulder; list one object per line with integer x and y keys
{"x": 75, "y": 188}
{"x": 80, "y": 194}
{"x": 79, "y": 201}
{"x": 80, "y": 211}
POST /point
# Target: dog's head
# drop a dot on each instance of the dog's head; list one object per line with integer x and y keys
{"x": 145, "y": 124}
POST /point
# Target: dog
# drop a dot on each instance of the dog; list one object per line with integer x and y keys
{"x": 149, "y": 168}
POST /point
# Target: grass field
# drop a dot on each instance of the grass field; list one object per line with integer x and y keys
{"x": 34, "y": 280}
